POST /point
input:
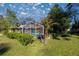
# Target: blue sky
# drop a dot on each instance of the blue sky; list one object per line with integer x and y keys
{"x": 34, "y": 10}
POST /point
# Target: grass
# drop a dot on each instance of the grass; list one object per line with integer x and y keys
{"x": 51, "y": 47}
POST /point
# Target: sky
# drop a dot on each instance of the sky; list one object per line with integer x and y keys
{"x": 37, "y": 11}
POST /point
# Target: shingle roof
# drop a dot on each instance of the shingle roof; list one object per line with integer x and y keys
{"x": 31, "y": 25}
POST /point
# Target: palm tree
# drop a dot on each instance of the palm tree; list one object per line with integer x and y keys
{"x": 46, "y": 24}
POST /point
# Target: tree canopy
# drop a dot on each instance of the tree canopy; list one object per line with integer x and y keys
{"x": 57, "y": 21}
{"x": 11, "y": 16}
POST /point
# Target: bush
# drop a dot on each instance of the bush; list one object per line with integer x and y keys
{"x": 12, "y": 35}
{"x": 23, "y": 38}
{"x": 65, "y": 35}
{"x": 55, "y": 35}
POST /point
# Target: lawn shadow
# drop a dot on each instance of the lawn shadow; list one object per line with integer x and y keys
{"x": 56, "y": 38}
{"x": 32, "y": 41}
{"x": 3, "y": 48}
{"x": 66, "y": 38}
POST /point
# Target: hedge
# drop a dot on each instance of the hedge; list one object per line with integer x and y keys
{"x": 23, "y": 38}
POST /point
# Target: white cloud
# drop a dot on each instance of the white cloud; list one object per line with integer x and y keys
{"x": 44, "y": 11}
{"x": 27, "y": 8}
{"x": 18, "y": 12}
{"x": 23, "y": 13}
{"x": 50, "y": 4}
{"x": 48, "y": 9}
{"x": 20, "y": 8}
{"x": 10, "y": 5}
{"x": 33, "y": 7}
{"x": 36, "y": 11}
{"x": 30, "y": 4}
{"x": 14, "y": 6}
{"x": 42, "y": 5}
{"x": 37, "y": 4}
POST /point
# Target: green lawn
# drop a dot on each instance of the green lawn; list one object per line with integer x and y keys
{"x": 52, "y": 47}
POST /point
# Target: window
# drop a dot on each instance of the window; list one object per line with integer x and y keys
{"x": 33, "y": 30}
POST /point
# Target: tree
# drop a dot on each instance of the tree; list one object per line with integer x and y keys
{"x": 4, "y": 24}
{"x": 1, "y": 22}
{"x": 73, "y": 10}
{"x": 57, "y": 20}
{"x": 75, "y": 27}
{"x": 60, "y": 19}
{"x": 11, "y": 16}
{"x": 8, "y": 21}
{"x": 46, "y": 23}
{"x": 1, "y": 17}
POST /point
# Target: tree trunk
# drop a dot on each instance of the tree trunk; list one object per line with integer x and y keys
{"x": 46, "y": 33}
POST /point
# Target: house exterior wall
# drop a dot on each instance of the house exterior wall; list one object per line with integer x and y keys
{"x": 33, "y": 29}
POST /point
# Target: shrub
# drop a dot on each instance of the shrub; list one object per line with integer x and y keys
{"x": 12, "y": 35}
{"x": 23, "y": 38}
{"x": 65, "y": 35}
{"x": 55, "y": 35}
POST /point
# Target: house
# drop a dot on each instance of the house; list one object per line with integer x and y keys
{"x": 32, "y": 28}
